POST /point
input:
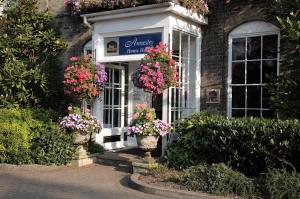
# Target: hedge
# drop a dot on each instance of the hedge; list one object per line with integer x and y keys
{"x": 249, "y": 145}
{"x": 29, "y": 136}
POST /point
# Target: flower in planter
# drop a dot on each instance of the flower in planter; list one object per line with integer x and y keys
{"x": 157, "y": 72}
{"x": 78, "y": 122}
{"x": 144, "y": 122}
{"x": 84, "y": 78}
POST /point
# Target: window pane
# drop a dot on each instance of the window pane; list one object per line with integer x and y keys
{"x": 265, "y": 99}
{"x": 238, "y": 97}
{"x": 270, "y": 44}
{"x": 184, "y": 45}
{"x": 117, "y": 97}
{"x": 117, "y": 76}
{"x": 126, "y": 116}
{"x": 269, "y": 69}
{"x": 238, "y": 49}
{"x": 238, "y": 113}
{"x": 193, "y": 49}
{"x": 253, "y": 96}
{"x": 238, "y": 73}
{"x": 253, "y": 72}
{"x": 253, "y": 113}
{"x": 253, "y": 48}
{"x": 106, "y": 96}
{"x": 107, "y": 118}
{"x": 176, "y": 42}
{"x": 172, "y": 97}
{"x": 117, "y": 118}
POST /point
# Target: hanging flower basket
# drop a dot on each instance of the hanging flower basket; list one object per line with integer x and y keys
{"x": 157, "y": 72}
{"x": 84, "y": 78}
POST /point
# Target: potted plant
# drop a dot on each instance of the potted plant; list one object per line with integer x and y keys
{"x": 82, "y": 125}
{"x": 147, "y": 128}
{"x": 157, "y": 71}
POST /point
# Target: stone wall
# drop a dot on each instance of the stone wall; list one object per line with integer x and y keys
{"x": 224, "y": 17}
{"x": 71, "y": 28}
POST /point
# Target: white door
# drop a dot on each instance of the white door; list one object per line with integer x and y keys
{"x": 115, "y": 106}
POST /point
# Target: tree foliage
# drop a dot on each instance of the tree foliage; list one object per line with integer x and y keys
{"x": 27, "y": 44}
{"x": 285, "y": 95}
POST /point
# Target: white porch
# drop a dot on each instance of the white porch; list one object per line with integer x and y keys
{"x": 177, "y": 27}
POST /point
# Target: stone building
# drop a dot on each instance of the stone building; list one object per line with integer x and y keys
{"x": 230, "y": 52}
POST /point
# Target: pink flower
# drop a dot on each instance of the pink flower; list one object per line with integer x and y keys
{"x": 70, "y": 108}
{"x": 206, "y": 7}
{"x": 143, "y": 105}
{"x": 136, "y": 115}
{"x": 149, "y": 116}
{"x": 73, "y": 59}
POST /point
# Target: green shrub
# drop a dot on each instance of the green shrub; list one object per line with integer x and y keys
{"x": 28, "y": 44}
{"x": 280, "y": 184}
{"x": 15, "y": 136}
{"x": 218, "y": 179}
{"x": 93, "y": 147}
{"x": 52, "y": 146}
{"x": 249, "y": 145}
{"x": 29, "y": 136}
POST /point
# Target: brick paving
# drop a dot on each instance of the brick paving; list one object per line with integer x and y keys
{"x": 94, "y": 181}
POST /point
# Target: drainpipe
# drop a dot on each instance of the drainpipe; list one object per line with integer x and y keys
{"x": 85, "y": 21}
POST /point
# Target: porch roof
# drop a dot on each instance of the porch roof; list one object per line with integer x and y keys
{"x": 168, "y": 7}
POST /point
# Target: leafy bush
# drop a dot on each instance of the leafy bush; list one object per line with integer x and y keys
{"x": 217, "y": 179}
{"x": 93, "y": 147}
{"x": 52, "y": 146}
{"x": 16, "y": 134}
{"x": 29, "y": 136}
{"x": 280, "y": 184}
{"x": 285, "y": 98}
{"x": 247, "y": 144}
{"x": 15, "y": 141}
{"x": 27, "y": 45}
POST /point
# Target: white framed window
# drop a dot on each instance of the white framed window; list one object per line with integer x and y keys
{"x": 182, "y": 98}
{"x": 115, "y": 100}
{"x": 253, "y": 58}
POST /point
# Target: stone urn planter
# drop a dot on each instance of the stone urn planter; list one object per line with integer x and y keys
{"x": 148, "y": 144}
{"x": 81, "y": 139}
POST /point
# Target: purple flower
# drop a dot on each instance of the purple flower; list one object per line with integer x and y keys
{"x": 77, "y": 122}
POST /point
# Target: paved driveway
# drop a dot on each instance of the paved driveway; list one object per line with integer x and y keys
{"x": 95, "y": 181}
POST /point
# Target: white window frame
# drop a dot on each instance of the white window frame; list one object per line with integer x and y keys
{"x": 122, "y": 88}
{"x": 250, "y": 29}
{"x": 184, "y": 111}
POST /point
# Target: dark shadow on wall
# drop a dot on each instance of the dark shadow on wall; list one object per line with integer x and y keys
{"x": 224, "y": 16}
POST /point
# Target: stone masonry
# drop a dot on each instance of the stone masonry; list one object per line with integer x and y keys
{"x": 224, "y": 17}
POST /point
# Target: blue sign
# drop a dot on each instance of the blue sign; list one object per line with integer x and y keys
{"x": 136, "y": 44}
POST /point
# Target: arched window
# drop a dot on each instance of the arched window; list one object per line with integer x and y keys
{"x": 253, "y": 58}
